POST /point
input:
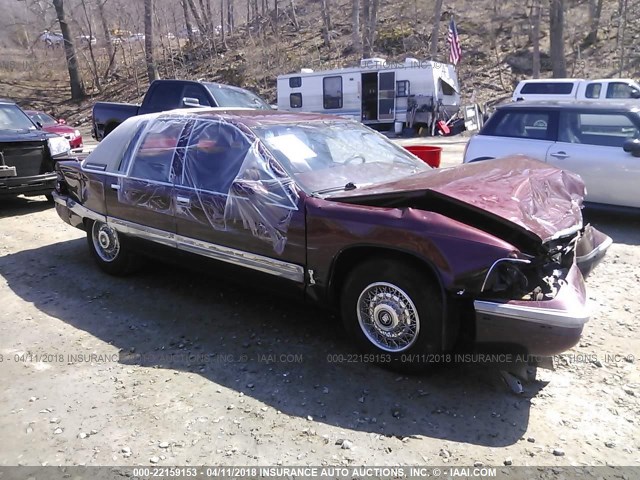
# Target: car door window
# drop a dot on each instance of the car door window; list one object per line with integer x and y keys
{"x": 619, "y": 90}
{"x": 197, "y": 92}
{"x": 525, "y": 124}
{"x": 153, "y": 159}
{"x": 602, "y": 129}
{"x": 610, "y": 130}
{"x": 593, "y": 90}
{"x": 213, "y": 156}
{"x": 165, "y": 96}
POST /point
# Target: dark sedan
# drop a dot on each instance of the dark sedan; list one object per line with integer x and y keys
{"x": 416, "y": 260}
{"x": 27, "y": 155}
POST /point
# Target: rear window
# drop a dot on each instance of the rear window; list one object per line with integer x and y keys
{"x": 551, "y": 88}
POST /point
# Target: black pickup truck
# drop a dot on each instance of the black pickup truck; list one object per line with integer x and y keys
{"x": 169, "y": 94}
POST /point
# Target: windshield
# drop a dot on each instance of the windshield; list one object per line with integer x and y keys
{"x": 12, "y": 118}
{"x": 236, "y": 97}
{"x": 43, "y": 118}
{"x": 325, "y": 157}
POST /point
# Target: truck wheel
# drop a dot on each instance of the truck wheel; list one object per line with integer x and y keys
{"x": 110, "y": 249}
{"x": 393, "y": 310}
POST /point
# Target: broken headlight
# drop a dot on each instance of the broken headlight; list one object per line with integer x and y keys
{"x": 58, "y": 146}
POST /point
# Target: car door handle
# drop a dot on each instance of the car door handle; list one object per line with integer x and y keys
{"x": 184, "y": 201}
{"x": 560, "y": 155}
{"x": 115, "y": 186}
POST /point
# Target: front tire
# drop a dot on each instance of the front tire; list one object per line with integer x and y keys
{"x": 110, "y": 250}
{"x": 393, "y": 310}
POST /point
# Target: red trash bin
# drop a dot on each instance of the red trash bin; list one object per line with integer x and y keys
{"x": 427, "y": 153}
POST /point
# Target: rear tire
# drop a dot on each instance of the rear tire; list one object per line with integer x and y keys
{"x": 393, "y": 311}
{"x": 110, "y": 250}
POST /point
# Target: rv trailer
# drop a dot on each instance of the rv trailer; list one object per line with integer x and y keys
{"x": 381, "y": 94}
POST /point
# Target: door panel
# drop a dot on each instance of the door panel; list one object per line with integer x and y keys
{"x": 144, "y": 197}
{"x": 590, "y": 144}
{"x": 229, "y": 208}
{"x": 611, "y": 175}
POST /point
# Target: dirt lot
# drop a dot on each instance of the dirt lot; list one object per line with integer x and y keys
{"x": 173, "y": 367}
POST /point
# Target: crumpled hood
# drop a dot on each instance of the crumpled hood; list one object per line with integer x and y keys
{"x": 540, "y": 199}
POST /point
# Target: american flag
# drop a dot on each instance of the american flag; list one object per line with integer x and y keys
{"x": 455, "y": 52}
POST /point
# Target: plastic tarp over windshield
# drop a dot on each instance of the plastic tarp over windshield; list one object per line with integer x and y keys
{"x": 224, "y": 179}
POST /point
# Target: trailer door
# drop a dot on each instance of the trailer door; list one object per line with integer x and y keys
{"x": 387, "y": 96}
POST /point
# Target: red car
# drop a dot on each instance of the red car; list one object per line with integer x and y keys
{"x": 51, "y": 125}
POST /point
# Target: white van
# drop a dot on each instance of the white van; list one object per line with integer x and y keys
{"x": 576, "y": 89}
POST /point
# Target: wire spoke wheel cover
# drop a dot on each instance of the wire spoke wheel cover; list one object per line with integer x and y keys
{"x": 105, "y": 241}
{"x": 388, "y": 317}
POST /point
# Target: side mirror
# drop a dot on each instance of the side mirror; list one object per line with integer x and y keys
{"x": 62, "y": 121}
{"x": 635, "y": 94}
{"x": 39, "y": 125}
{"x": 632, "y": 147}
{"x": 191, "y": 102}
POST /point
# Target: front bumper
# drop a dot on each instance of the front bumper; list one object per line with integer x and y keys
{"x": 539, "y": 328}
{"x": 35, "y": 185}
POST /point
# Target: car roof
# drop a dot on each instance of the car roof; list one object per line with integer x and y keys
{"x": 6, "y": 101}
{"x": 630, "y": 106}
{"x": 251, "y": 117}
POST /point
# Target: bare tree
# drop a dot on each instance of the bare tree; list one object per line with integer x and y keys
{"x": 355, "y": 20}
{"x": 622, "y": 30}
{"x": 556, "y": 34}
{"x": 223, "y": 39}
{"x": 435, "y": 31}
{"x": 535, "y": 38}
{"x": 196, "y": 16}
{"x": 369, "y": 24}
{"x": 294, "y": 17}
{"x": 231, "y": 23}
{"x": 595, "y": 12}
{"x": 187, "y": 21}
{"x": 152, "y": 69}
{"x": 326, "y": 20}
{"x": 75, "y": 81}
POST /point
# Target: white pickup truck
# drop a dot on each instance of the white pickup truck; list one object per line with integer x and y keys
{"x": 577, "y": 89}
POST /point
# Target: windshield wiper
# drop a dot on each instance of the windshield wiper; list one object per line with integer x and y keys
{"x": 347, "y": 187}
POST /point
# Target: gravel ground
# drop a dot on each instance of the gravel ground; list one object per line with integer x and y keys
{"x": 173, "y": 367}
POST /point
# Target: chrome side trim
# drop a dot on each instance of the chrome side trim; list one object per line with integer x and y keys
{"x": 290, "y": 271}
{"x": 574, "y": 318}
{"x": 77, "y": 208}
{"x": 272, "y": 266}
{"x": 142, "y": 231}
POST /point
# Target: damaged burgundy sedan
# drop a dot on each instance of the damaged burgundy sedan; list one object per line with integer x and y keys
{"x": 416, "y": 260}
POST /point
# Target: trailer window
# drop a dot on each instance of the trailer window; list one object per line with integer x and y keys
{"x": 295, "y": 100}
{"x": 332, "y": 92}
{"x": 295, "y": 82}
{"x": 402, "y": 88}
{"x": 446, "y": 88}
